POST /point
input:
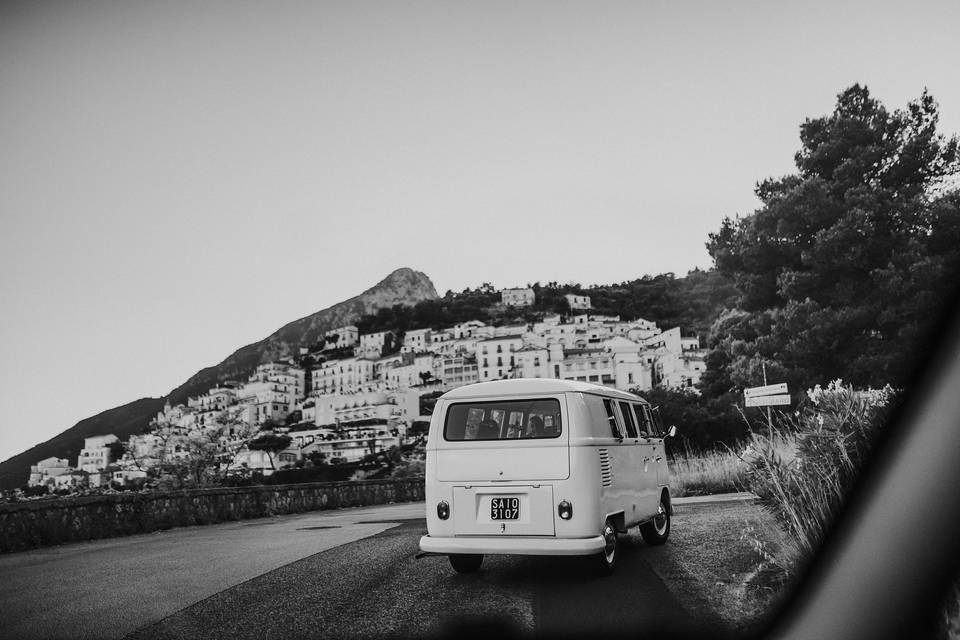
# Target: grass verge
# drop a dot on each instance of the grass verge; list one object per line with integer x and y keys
{"x": 706, "y": 473}
{"x": 716, "y": 563}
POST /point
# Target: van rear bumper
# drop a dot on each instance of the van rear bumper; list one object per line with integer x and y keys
{"x": 526, "y": 546}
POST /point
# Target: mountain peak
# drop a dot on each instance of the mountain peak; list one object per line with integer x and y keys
{"x": 408, "y": 278}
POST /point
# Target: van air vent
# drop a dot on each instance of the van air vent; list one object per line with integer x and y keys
{"x": 606, "y": 471}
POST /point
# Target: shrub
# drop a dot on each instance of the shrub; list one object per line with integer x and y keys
{"x": 804, "y": 467}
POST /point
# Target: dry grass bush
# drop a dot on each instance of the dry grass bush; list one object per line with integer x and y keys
{"x": 695, "y": 473}
{"x": 803, "y": 468}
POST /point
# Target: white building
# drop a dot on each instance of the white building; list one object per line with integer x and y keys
{"x": 372, "y": 344}
{"x": 532, "y": 361}
{"x": 347, "y": 336}
{"x": 95, "y": 455}
{"x": 410, "y": 374}
{"x": 668, "y": 340}
{"x": 361, "y": 443}
{"x": 495, "y": 357}
{"x": 680, "y": 371}
{"x": 456, "y": 370}
{"x": 440, "y": 338}
{"x": 216, "y": 399}
{"x": 571, "y": 336}
{"x": 465, "y": 329}
{"x": 578, "y": 302}
{"x": 126, "y": 474}
{"x": 342, "y": 376}
{"x": 641, "y": 329}
{"x": 334, "y": 409}
{"x": 630, "y": 371}
{"x": 273, "y": 391}
{"x": 589, "y": 365}
{"x": 510, "y": 330}
{"x": 417, "y": 340}
{"x": 46, "y": 470}
{"x": 517, "y": 297}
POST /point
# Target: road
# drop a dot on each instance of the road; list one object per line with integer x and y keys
{"x": 346, "y": 573}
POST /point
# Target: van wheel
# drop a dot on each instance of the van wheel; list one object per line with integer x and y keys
{"x": 657, "y": 531}
{"x": 466, "y": 562}
{"x": 608, "y": 557}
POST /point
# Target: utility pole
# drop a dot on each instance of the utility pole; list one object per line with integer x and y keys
{"x": 769, "y": 420}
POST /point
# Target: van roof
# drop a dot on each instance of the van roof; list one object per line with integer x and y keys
{"x": 533, "y": 386}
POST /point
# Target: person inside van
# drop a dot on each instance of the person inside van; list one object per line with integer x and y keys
{"x": 488, "y": 430}
{"x": 535, "y": 427}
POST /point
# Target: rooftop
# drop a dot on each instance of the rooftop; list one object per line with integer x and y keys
{"x": 531, "y": 386}
{"x": 582, "y": 352}
{"x": 512, "y": 336}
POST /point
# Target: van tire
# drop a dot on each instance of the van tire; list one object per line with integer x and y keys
{"x": 608, "y": 557}
{"x": 466, "y": 562}
{"x": 657, "y": 530}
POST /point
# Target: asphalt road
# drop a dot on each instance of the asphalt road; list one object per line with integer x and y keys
{"x": 349, "y": 573}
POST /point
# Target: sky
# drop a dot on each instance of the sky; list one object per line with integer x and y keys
{"x": 180, "y": 179}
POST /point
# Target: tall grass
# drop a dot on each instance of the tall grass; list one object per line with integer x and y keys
{"x": 697, "y": 473}
{"x": 803, "y": 468}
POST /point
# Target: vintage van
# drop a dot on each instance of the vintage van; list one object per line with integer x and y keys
{"x": 543, "y": 467}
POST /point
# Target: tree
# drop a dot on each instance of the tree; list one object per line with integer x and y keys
{"x": 116, "y": 450}
{"x": 843, "y": 269}
{"x": 271, "y": 443}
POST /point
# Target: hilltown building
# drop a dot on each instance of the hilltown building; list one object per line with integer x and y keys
{"x": 342, "y": 337}
{"x": 517, "y": 297}
{"x": 95, "y": 455}
{"x": 577, "y": 302}
{"x": 417, "y": 340}
{"x": 337, "y": 376}
{"x": 373, "y": 344}
{"x": 46, "y": 470}
{"x": 456, "y": 370}
{"x": 382, "y": 393}
{"x": 495, "y": 356}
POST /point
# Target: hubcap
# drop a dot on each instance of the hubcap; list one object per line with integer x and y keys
{"x": 609, "y": 543}
{"x": 660, "y": 520}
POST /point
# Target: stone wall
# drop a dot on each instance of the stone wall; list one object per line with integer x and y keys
{"x": 37, "y": 523}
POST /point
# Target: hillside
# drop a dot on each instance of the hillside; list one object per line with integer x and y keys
{"x": 402, "y": 287}
{"x": 691, "y": 302}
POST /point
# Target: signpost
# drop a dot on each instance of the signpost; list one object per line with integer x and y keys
{"x": 767, "y": 396}
{"x": 766, "y": 401}
{"x": 767, "y": 390}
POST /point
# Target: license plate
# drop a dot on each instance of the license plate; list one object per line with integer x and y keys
{"x": 505, "y": 509}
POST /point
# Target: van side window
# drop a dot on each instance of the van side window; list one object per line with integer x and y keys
{"x": 612, "y": 419}
{"x": 643, "y": 422}
{"x": 657, "y": 424}
{"x": 628, "y": 419}
{"x": 651, "y": 420}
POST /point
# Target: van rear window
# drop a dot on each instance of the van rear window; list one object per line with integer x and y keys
{"x": 503, "y": 420}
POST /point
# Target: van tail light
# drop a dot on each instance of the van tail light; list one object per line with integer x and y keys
{"x": 443, "y": 510}
{"x": 565, "y": 510}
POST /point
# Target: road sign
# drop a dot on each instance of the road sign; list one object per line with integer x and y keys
{"x": 768, "y": 390}
{"x": 765, "y": 401}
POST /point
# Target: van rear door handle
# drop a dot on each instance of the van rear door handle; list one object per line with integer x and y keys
{"x": 659, "y": 458}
